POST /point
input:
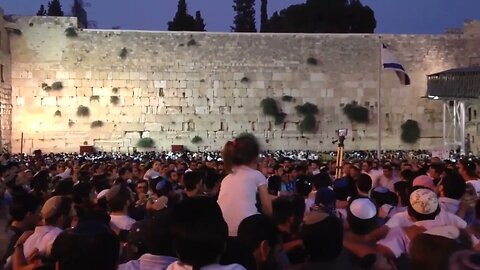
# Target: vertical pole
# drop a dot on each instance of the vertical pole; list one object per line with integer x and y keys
{"x": 379, "y": 105}
{"x": 21, "y": 144}
{"x": 445, "y": 104}
{"x": 455, "y": 122}
{"x": 462, "y": 128}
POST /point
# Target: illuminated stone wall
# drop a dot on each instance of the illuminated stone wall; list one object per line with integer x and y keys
{"x": 5, "y": 84}
{"x": 174, "y": 86}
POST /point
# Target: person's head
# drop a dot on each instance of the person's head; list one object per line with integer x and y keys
{"x": 274, "y": 184}
{"x": 261, "y": 236}
{"x": 467, "y": 169}
{"x": 141, "y": 187}
{"x": 423, "y": 204}
{"x": 424, "y": 181}
{"x": 366, "y": 166}
{"x": 452, "y": 186}
{"x": 26, "y": 210}
{"x": 354, "y": 171}
{"x": 172, "y": 176}
{"x": 464, "y": 260}
{"x": 362, "y": 215}
{"x": 243, "y": 150}
{"x": 192, "y": 181}
{"x": 125, "y": 173}
{"x": 119, "y": 197}
{"x": 364, "y": 183}
{"x": 435, "y": 170}
{"x": 164, "y": 170}
{"x": 322, "y": 237}
{"x": 388, "y": 171}
{"x": 381, "y": 196}
{"x": 433, "y": 248}
{"x": 157, "y": 166}
{"x": 283, "y": 212}
{"x": 402, "y": 190}
{"x": 408, "y": 176}
{"x": 90, "y": 245}
{"x": 303, "y": 185}
{"x": 58, "y": 211}
{"x": 199, "y": 231}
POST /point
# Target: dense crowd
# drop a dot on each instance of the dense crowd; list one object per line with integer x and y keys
{"x": 240, "y": 209}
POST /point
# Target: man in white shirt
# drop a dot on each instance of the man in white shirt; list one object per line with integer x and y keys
{"x": 387, "y": 180}
{"x": 154, "y": 171}
{"x": 119, "y": 198}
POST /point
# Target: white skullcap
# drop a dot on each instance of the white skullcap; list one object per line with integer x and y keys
{"x": 424, "y": 201}
{"x": 363, "y": 208}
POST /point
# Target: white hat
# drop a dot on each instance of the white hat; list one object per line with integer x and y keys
{"x": 424, "y": 201}
{"x": 363, "y": 208}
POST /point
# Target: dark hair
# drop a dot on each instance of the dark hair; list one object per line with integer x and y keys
{"x": 381, "y": 198}
{"x": 323, "y": 240}
{"x": 257, "y": 228}
{"x": 321, "y": 180}
{"x": 469, "y": 167}
{"x": 437, "y": 167}
{"x": 403, "y": 190}
{"x": 453, "y": 186}
{"x": 303, "y": 185}
{"x": 191, "y": 180}
{"x": 387, "y": 167}
{"x": 122, "y": 171}
{"x": 432, "y": 252}
{"x": 199, "y": 231}
{"x": 409, "y": 176}
{"x": 81, "y": 192}
{"x": 91, "y": 245}
{"x": 282, "y": 209}
{"x": 241, "y": 151}
{"x": 63, "y": 188}
{"x": 364, "y": 183}
{"x": 63, "y": 210}
{"x": 274, "y": 184}
{"x": 118, "y": 202}
{"x": 22, "y": 205}
{"x": 209, "y": 176}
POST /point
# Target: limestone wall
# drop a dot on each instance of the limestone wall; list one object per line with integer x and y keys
{"x": 5, "y": 85}
{"x": 174, "y": 86}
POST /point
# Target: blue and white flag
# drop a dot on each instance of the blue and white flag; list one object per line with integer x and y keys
{"x": 390, "y": 62}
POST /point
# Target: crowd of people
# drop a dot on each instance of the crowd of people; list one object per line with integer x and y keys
{"x": 240, "y": 209}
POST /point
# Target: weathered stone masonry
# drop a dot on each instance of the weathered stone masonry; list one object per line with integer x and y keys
{"x": 174, "y": 86}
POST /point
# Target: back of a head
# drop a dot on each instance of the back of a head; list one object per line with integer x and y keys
{"x": 242, "y": 151}
{"x": 282, "y": 209}
{"x": 91, "y": 245}
{"x": 199, "y": 231}
{"x": 453, "y": 186}
{"x": 303, "y": 185}
{"x": 117, "y": 197}
{"x": 362, "y": 215}
{"x": 323, "y": 240}
{"x": 321, "y": 180}
{"x": 364, "y": 183}
{"x": 274, "y": 184}
{"x": 23, "y": 204}
{"x": 191, "y": 180}
{"x": 255, "y": 229}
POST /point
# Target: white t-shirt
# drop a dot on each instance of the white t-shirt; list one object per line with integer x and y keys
{"x": 237, "y": 196}
{"x": 41, "y": 239}
{"x": 443, "y": 218}
{"x": 122, "y": 222}
{"x": 179, "y": 266}
{"x": 151, "y": 173}
{"x": 476, "y": 185}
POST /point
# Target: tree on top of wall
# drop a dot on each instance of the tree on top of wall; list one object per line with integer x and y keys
{"x": 184, "y": 21}
{"x": 42, "y": 11}
{"x": 78, "y": 10}
{"x": 264, "y": 16}
{"x": 55, "y": 8}
{"x": 244, "y": 20}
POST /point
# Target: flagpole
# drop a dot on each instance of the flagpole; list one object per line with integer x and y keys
{"x": 379, "y": 106}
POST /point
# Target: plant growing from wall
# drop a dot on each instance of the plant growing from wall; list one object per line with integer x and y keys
{"x": 309, "y": 122}
{"x": 70, "y": 123}
{"x": 57, "y": 86}
{"x": 114, "y": 100}
{"x": 83, "y": 111}
{"x": 197, "y": 140}
{"x": 46, "y": 87}
{"x": 288, "y": 99}
{"x": 192, "y": 42}
{"x": 312, "y": 61}
{"x": 356, "y": 113}
{"x": 96, "y": 124}
{"x": 58, "y": 113}
{"x": 71, "y": 32}
{"x": 123, "y": 53}
{"x": 115, "y": 90}
{"x": 245, "y": 80}
{"x": 270, "y": 108}
{"x": 94, "y": 98}
{"x": 14, "y": 31}
{"x": 410, "y": 131}
{"x": 146, "y": 143}
{"x": 307, "y": 109}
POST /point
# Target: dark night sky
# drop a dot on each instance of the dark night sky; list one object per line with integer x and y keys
{"x": 393, "y": 16}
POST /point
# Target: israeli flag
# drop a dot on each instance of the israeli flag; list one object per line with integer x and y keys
{"x": 390, "y": 62}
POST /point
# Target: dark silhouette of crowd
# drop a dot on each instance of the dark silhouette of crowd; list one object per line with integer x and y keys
{"x": 241, "y": 208}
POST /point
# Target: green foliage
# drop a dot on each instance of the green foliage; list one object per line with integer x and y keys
{"x": 94, "y": 98}
{"x": 146, "y": 143}
{"x": 357, "y": 113}
{"x": 83, "y": 111}
{"x": 307, "y": 109}
{"x": 96, "y": 124}
{"x": 308, "y": 124}
{"x": 270, "y": 108}
{"x": 197, "y": 139}
{"x": 244, "y": 20}
{"x": 288, "y": 99}
{"x": 46, "y": 87}
{"x": 312, "y": 61}
{"x": 184, "y": 21}
{"x": 71, "y": 32}
{"x": 115, "y": 90}
{"x": 58, "y": 113}
{"x": 123, "y": 53}
{"x": 328, "y": 16}
{"x": 410, "y": 131}
{"x": 70, "y": 123}
{"x": 192, "y": 42}
{"x": 280, "y": 118}
{"x": 245, "y": 80}
{"x": 263, "y": 16}
{"x": 78, "y": 10}
{"x": 114, "y": 100}
{"x": 55, "y": 8}
{"x": 57, "y": 86}
{"x": 41, "y": 11}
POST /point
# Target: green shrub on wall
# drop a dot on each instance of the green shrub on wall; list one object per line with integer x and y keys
{"x": 307, "y": 109}
{"x": 197, "y": 140}
{"x": 114, "y": 100}
{"x": 410, "y": 131}
{"x": 83, "y": 111}
{"x": 71, "y": 32}
{"x": 57, "y": 86}
{"x": 270, "y": 108}
{"x": 123, "y": 53}
{"x": 288, "y": 99}
{"x": 58, "y": 113}
{"x": 96, "y": 124}
{"x": 312, "y": 61}
{"x": 356, "y": 113}
{"x": 308, "y": 124}
{"x": 146, "y": 143}
{"x": 94, "y": 98}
